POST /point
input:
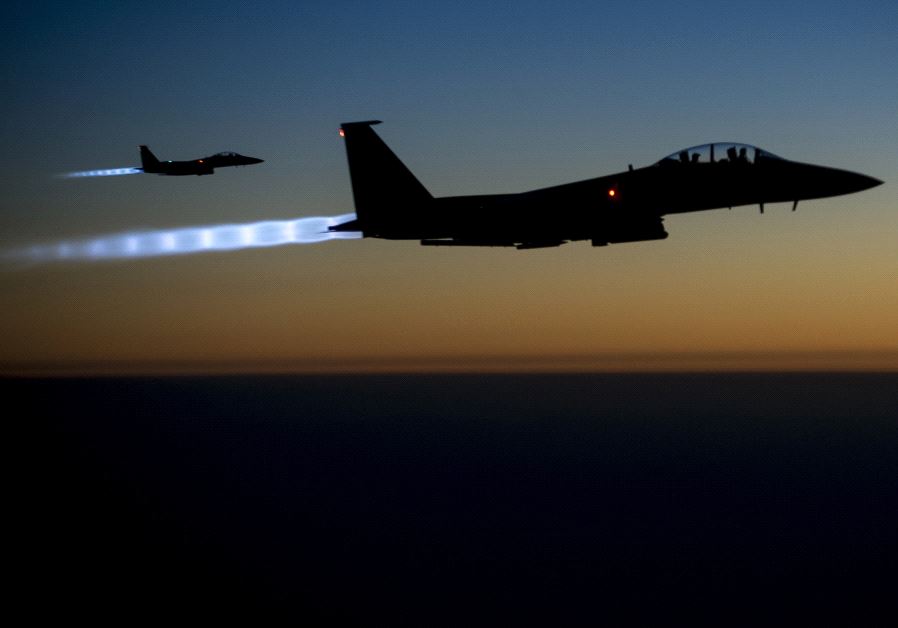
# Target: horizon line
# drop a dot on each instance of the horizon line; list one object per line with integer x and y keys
{"x": 848, "y": 361}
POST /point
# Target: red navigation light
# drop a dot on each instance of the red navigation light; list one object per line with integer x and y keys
{"x": 200, "y": 160}
{"x": 342, "y": 133}
{"x": 612, "y": 193}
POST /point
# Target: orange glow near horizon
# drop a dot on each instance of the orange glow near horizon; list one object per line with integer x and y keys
{"x": 738, "y": 299}
{"x": 735, "y": 299}
{"x": 760, "y": 362}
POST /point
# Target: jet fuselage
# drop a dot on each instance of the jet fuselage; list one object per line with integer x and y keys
{"x": 624, "y": 207}
{"x": 203, "y": 166}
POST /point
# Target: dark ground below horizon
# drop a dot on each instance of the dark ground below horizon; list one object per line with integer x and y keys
{"x": 456, "y": 500}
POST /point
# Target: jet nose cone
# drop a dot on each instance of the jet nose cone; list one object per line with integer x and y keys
{"x": 872, "y": 183}
{"x": 858, "y": 182}
{"x": 254, "y": 160}
{"x": 836, "y": 182}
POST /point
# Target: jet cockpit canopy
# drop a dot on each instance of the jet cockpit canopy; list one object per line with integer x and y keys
{"x": 227, "y": 154}
{"x": 718, "y": 152}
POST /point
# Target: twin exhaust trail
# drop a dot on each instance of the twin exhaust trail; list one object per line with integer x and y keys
{"x": 180, "y": 241}
{"x": 187, "y": 240}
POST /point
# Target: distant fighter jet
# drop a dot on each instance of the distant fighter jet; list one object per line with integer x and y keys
{"x": 206, "y": 165}
{"x": 625, "y": 207}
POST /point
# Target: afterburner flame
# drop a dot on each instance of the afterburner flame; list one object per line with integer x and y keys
{"x": 110, "y": 172}
{"x": 182, "y": 241}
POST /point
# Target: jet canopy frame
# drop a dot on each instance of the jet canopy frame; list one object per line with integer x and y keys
{"x": 719, "y": 152}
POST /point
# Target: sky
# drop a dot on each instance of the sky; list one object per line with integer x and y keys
{"x": 476, "y": 98}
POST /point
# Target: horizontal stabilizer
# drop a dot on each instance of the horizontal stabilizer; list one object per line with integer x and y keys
{"x": 352, "y": 225}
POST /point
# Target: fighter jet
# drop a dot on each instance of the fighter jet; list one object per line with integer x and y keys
{"x": 625, "y": 207}
{"x": 206, "y": 165}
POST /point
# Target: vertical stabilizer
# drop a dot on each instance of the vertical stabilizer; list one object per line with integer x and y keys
{"x": 148, "y": 159}
{"x": 389, "y": 200}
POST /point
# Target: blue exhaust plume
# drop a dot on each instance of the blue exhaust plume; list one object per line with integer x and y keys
{"x": 137, "y": 244}
{"x": 112, "y": 172}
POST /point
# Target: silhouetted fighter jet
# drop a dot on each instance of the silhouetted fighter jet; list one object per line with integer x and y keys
{"x": 624, "y": 207}
{"x": 206, "y": 165}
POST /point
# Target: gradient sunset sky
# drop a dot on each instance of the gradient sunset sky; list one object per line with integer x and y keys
{"x": 476, "y": 98}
